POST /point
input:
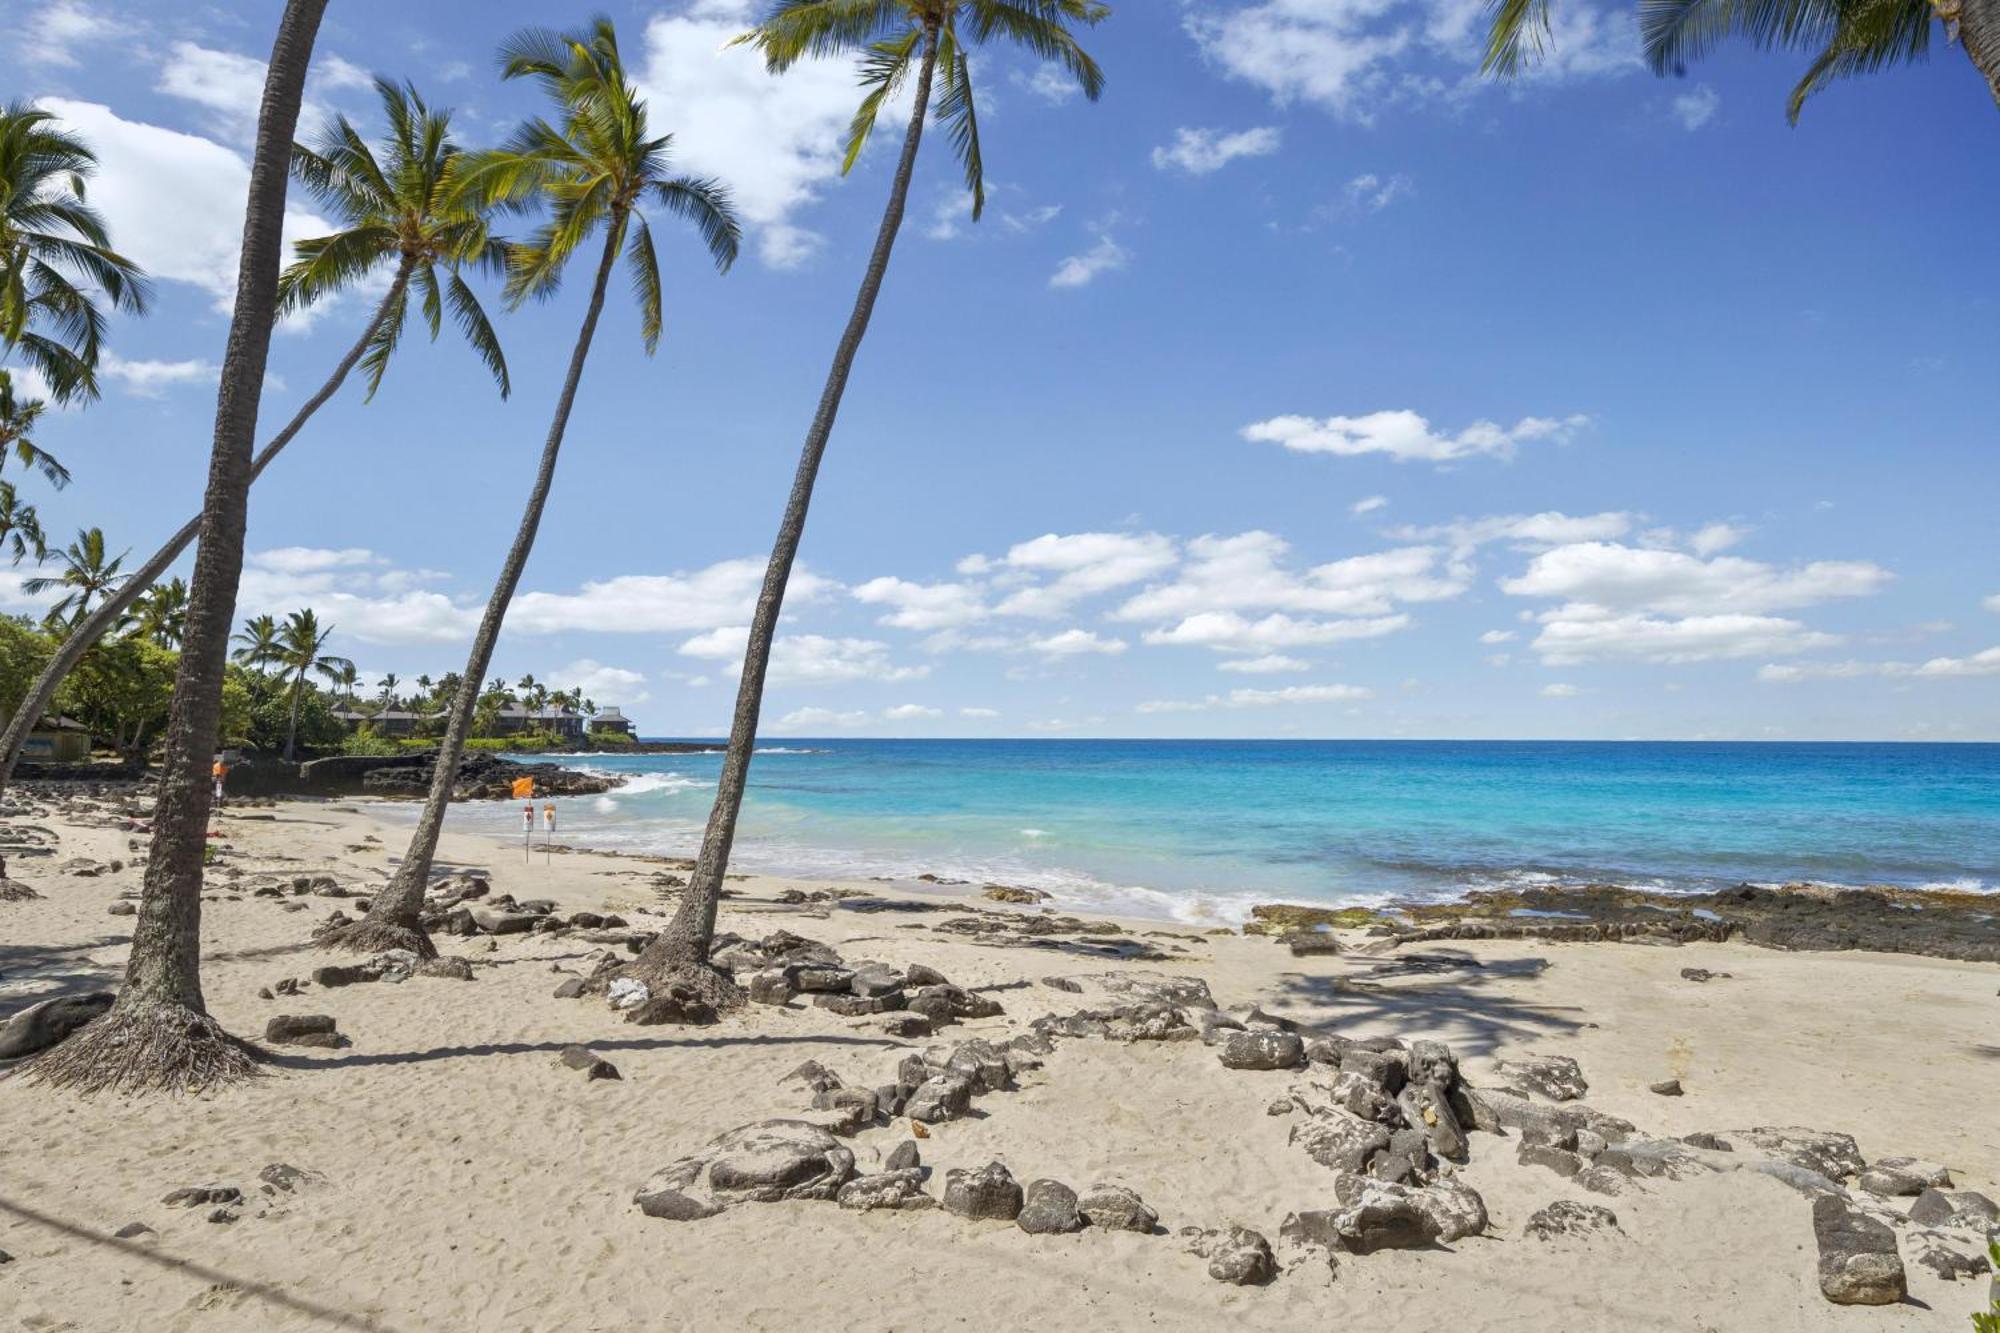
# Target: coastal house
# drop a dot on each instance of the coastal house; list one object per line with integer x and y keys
{"x": 384, "y": 722}
{"x": 611, "y": 719}
{"x": 59, "y": 740}
{"x": 513, "y": 719}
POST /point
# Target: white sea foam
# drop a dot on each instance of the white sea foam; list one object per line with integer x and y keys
{"x": 1034, "y": 833}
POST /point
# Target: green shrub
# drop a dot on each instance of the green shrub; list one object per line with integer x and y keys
{"x": 1990, "y": 1321}
{"x": 366, "y": 742}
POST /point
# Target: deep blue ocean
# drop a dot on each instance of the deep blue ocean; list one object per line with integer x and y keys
{"x": 1199, "y": 830}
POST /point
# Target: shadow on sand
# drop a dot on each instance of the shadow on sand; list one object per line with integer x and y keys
{"x": 152, "y": 1254}
{"x": 1446, "y": 994}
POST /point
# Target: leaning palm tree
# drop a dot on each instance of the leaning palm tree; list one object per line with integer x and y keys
{"x": 56, "y": 260}
{"x": 88, "y": 574}
{"x": 398, "y": 209}
{"x": 898, "y": 39}
{"x": 1844, "y": 37}
{"x": 20, "y": 526}
{"x": 18, "y": 417}
{"x": 157, "y": 1035}
{"x": 301, "y": 653}
{"x": 163, "y": 613}
{"x": 597, "y": 167}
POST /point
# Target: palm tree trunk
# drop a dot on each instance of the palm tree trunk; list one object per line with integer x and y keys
{"x": 292, "y": 731}
{"x": 1979, "y": 29}
{"x": 35, "y": 704}
{"x": 158, "y": 1035}
{"x": 395, "y": 917}
{"x": 683, "y": 946}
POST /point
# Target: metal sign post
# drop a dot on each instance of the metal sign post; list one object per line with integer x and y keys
{"x": 548, "y": 837}
{"x": 527, "y": 831}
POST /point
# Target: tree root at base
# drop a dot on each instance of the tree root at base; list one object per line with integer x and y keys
{"x": 147, "y": 1046}
{"x": 710, "y": 984}
{"x": 365, "y": 936}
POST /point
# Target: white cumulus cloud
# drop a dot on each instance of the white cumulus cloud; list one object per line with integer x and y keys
{"x": 1200, "y": 152}
{"x": 1407, "y": 437}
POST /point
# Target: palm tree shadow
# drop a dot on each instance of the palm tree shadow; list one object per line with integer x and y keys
{"x": 1447, "y": 995}
{"x": 288, "y": 1060}
{"x": 153, "y": 1255}
{"x": 31, "y": 973}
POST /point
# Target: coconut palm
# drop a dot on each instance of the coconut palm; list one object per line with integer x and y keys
{"x": 18, "y": 417}
{"x": 163, "y": 613}
{"x": 158, "y": 1035}
{"x": 301, "y": 653}
{"x": 899, "y": 41}
{"x": 388, "y": 690}
{"x": 1844, "y": 37}
{"x": 597, "y": 168}
{"x": 20, "y": 527}
{"x": 257, "y": 642}
{"x": 88, "y": 575}
{"x": 347, "y": 678}
{"x": 398, "y": 210}
{"x": 56, "y": 260}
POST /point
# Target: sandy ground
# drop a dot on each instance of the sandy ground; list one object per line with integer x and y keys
{"x": 471, "y": 1182}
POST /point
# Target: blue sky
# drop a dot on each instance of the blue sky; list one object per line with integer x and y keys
{"x": 1306, "y": 385}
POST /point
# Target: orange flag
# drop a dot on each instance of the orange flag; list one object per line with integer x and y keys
{"x": 524, "y": 789}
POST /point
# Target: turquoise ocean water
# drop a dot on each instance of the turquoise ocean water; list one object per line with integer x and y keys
{"x": 1199, "y": 830}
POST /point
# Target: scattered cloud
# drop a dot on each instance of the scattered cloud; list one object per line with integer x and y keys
{"x": 1076, "y": 642}
{"x": 1201, "y": 152}
{"x": 1369, "y": 505}
{"x": 776, "y": 140}
{"x": 911, "y": 713}
{"x": 979, "y": 714}
{"x": 1494, "y": 636}
{"x": 1992, "y": 603}
{"x": 923, "y": 606}
{"x": 1697, "y": 107}
{"x": 150, "y": 379}
{"x": 1080, "y": 565}
{"x": 1560, "y": 691}
{"x": 1084, "y": 268}
{"x": 1370, "y": 193}
{"x": 1249, "y": 571}
{"x": 1229, "y": 632}
{"x": 1267, "y": 665}
{"x": 600, "y": 683}
{"x": 1578, "y": 634}
{"x": 806, "y": 659}
{"x": 1356, "y": 58}
{"x": 1986, "y": 663}
{"x": 1249, "y": 698}
{"x": 52, "y": 34}
{"x": 1052, "y": 83}
{"x": 1530, "y": 532}
{"x": 1607, "y": 574}
{"x": 173, "y": 202}
{"x": 1407, "y": 437}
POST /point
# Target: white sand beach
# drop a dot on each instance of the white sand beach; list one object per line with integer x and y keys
{"x": 462, "y": 1178}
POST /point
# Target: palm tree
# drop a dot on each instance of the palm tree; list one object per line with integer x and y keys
{"x": 388, "y": 690}
{"x": 163, "y": 613}
{"x": 86, "y": 573}
{"x": 897, "y": 38}
{"x": 258, "y": 642}
{"x": 55, "y": 255}
{"x": 20, "y": 526}
{"x": 302, "y": 652}
{"x": 1844, "y": 37}
{"x": 347, "y": 679}
{"x": 17, "y": 423}
{"x": 157, "y": 1035}
{"x": 597, "y": 167}
{"x": 396, "y": 205}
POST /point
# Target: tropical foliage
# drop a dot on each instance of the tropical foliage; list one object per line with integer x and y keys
{"x": 1842, "y": 38}
{"x": 56, "y": 261}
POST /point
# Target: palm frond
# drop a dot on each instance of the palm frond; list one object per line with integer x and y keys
{"x": 706, "y": 203}
{"x": 471, "y": 319}
{"x": 644, "y": 266}
{"x": 959, "y": 112}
